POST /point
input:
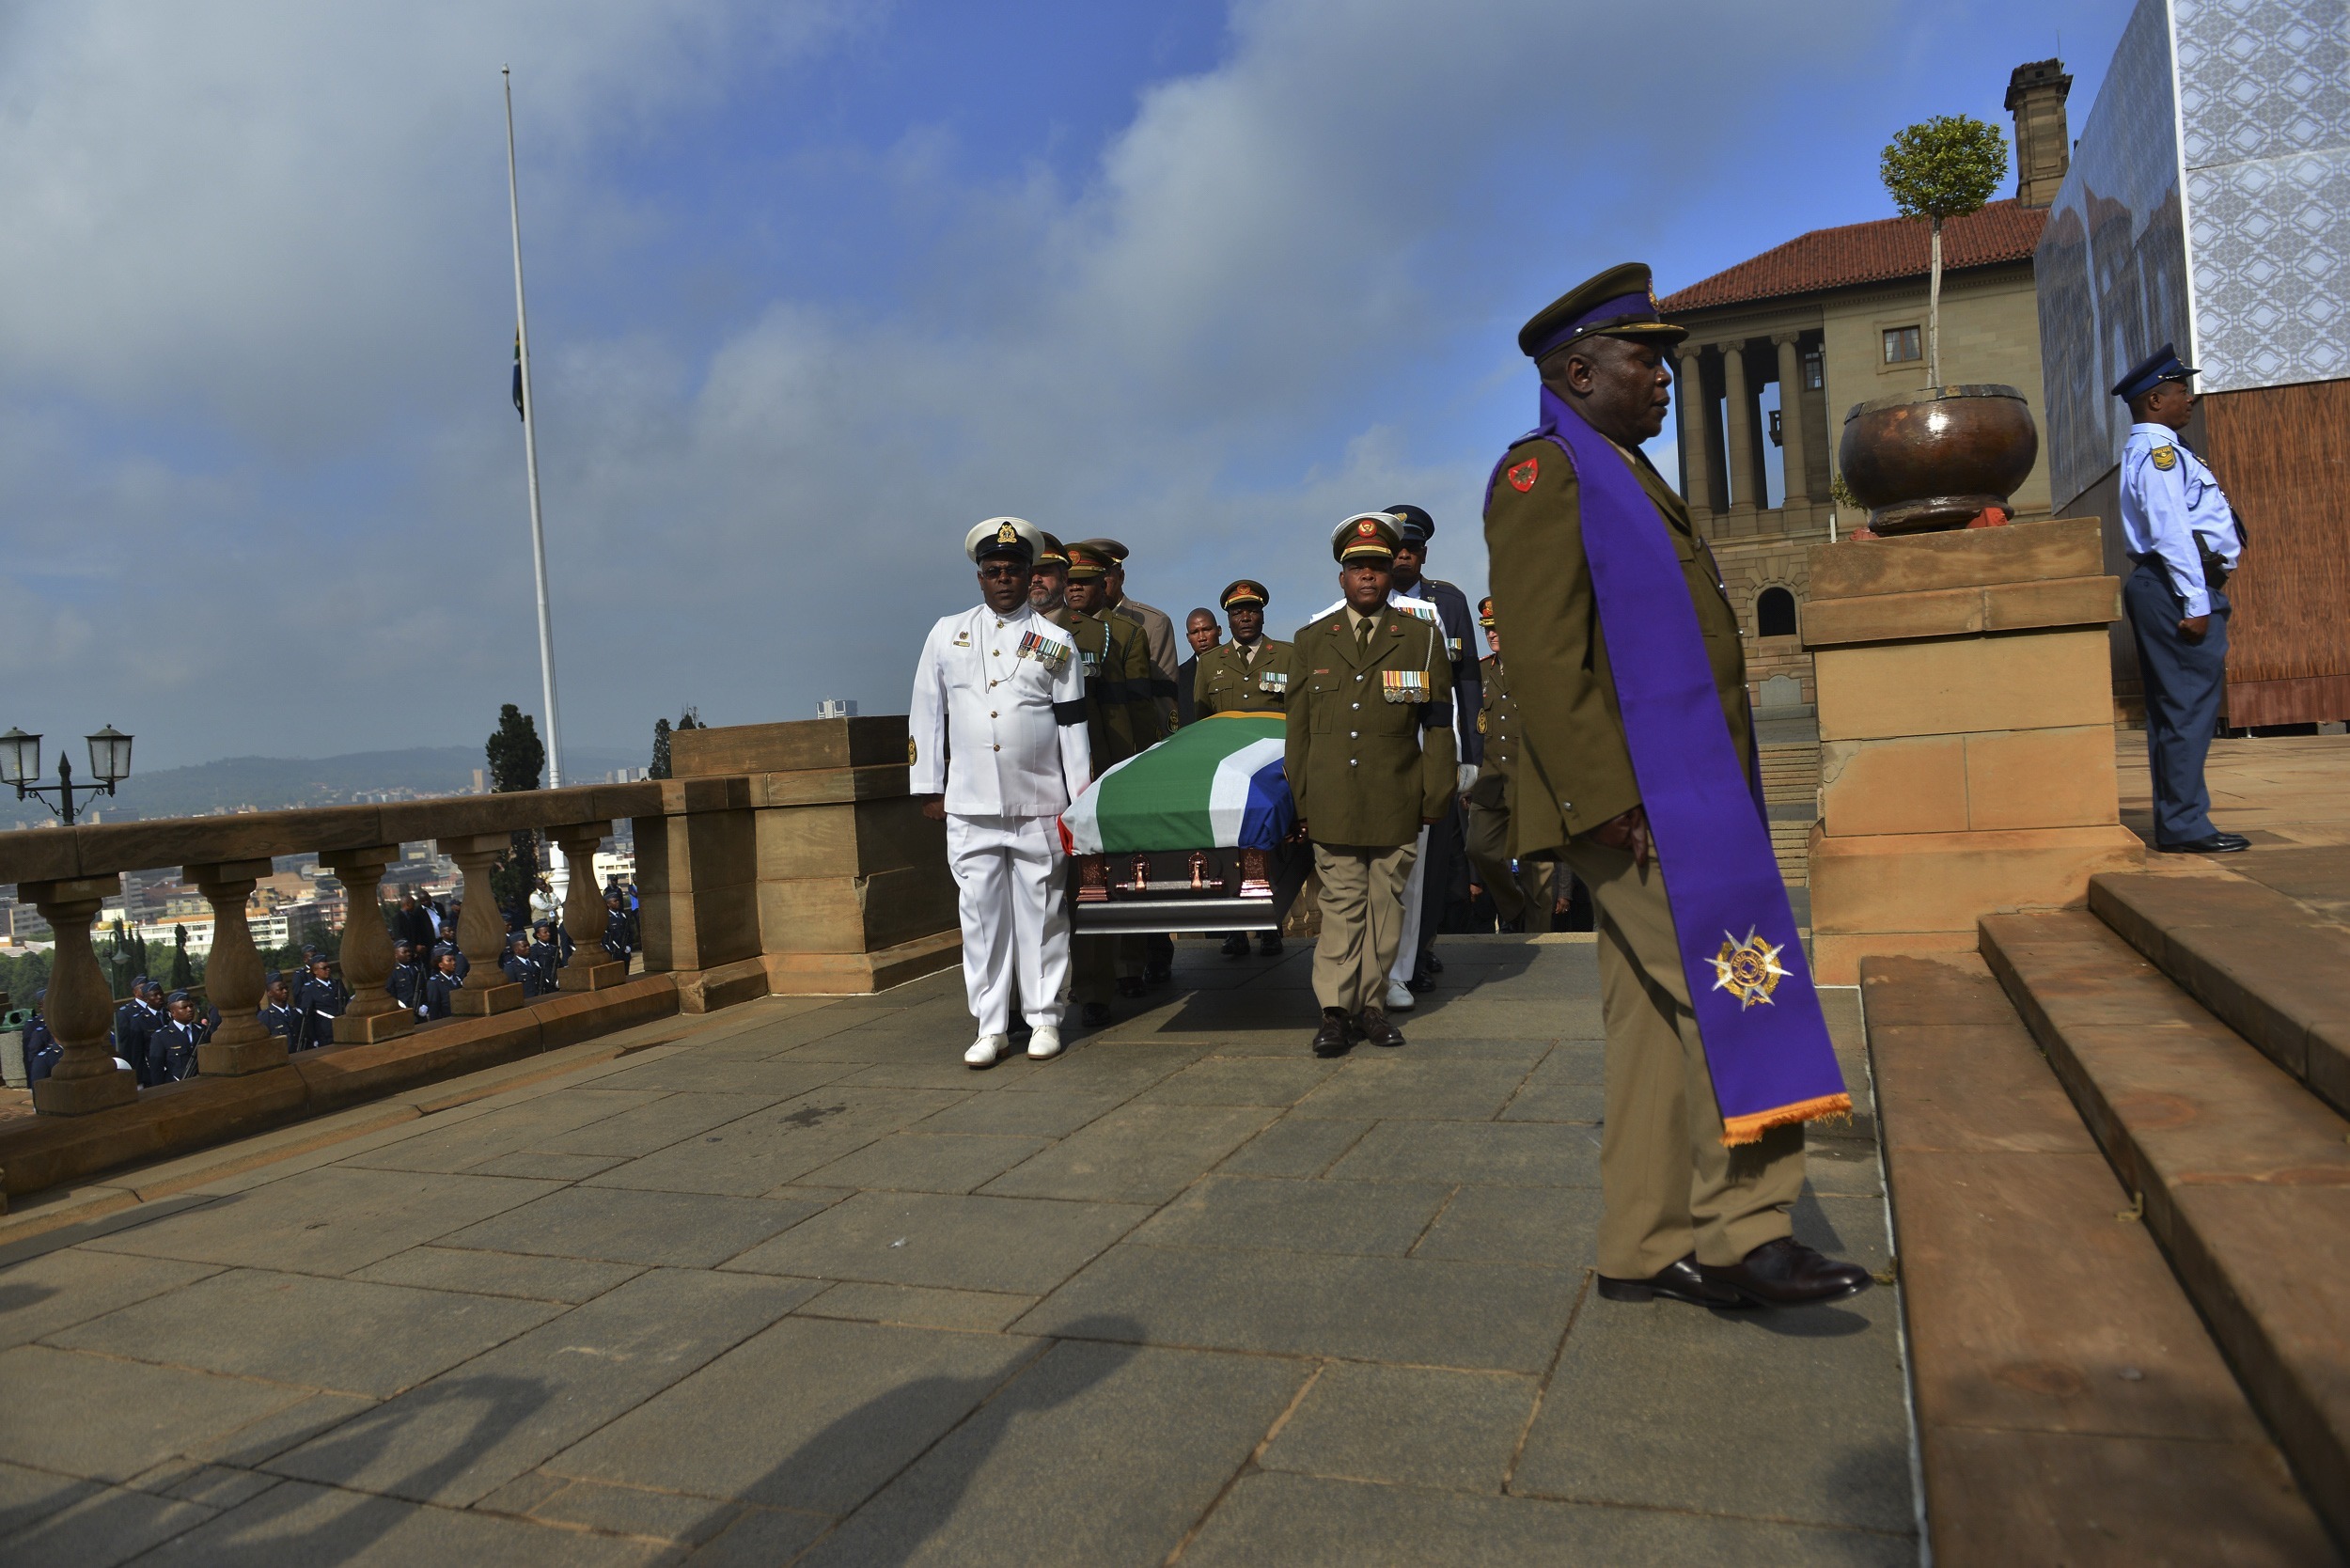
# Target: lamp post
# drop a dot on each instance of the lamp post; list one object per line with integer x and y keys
{"x": 20, "y": 763}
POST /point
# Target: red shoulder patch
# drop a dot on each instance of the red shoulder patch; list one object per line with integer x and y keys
{"x": 1522, "y": 477}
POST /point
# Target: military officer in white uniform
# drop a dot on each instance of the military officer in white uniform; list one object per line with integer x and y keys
{"x": 2183, "y": 539}
{"x": 999, "y": 745}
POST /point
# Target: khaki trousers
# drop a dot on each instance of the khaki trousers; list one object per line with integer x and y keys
{"x": 1669, "y": 1187}
{"x": 1362, "y": 922}
{"x": 1523, "y": 894}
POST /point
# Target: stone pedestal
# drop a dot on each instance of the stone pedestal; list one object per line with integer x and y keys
{"x": 814, "y": 861}
{"x": 232, "y": 975}
{"x": 1966, "y": 751}
{"x": 79, "y": 1010}
{"x": 590, "y": 967}
{"x": 481, "y": 930}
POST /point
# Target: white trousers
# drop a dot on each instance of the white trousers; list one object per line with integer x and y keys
{"x": 1407, "y": 956}
{"x": 1015, "y": 918}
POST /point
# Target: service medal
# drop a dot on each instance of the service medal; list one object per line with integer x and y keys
{"x": 1403, "y": 686}
{"x": 1748, "y": 970}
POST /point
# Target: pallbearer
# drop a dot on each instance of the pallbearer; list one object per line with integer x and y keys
{"x": 999, "y": 735}
{"x": 1369, "y": 761}
{"x": 1627, "y": 676}
{"x": 1251, "y": 673}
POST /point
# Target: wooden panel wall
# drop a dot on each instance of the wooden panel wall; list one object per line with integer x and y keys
{"x": 2280, "y": 453}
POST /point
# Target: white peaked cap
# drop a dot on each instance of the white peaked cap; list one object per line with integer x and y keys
{"x": 1002, "y": 530}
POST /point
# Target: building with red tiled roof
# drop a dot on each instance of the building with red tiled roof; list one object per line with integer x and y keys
{"x": 1838, "y": 316}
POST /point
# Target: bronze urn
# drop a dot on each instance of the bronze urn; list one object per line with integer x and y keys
{"x": 1932, "y": 460}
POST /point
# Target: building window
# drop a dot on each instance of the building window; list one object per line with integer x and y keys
{"x": 1901, "y": 343}
{"x": 1814, "y": 369}
{"x": 1774, "y": 613}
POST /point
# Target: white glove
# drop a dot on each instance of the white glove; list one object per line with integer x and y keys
{"x": 1468, "y": 776}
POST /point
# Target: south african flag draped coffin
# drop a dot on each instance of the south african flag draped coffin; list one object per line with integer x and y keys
{"x": 1200, "y": 819}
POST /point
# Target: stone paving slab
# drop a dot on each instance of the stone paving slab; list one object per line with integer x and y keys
{"x": 800, "y": 1288}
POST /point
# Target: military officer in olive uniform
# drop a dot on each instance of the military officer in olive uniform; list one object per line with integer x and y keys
{"x": 1684, "y": 1216}
{"x": 1371, "y": 762}
{"x": 1123, "y": 718}
{"x": 1521, "y": 896}
{"x": 1251, "y": 673}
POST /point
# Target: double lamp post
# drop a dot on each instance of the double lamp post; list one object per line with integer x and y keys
{"x": 20, "y": 763}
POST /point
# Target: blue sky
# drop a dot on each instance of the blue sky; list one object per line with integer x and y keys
{"x": 814, "y": 287}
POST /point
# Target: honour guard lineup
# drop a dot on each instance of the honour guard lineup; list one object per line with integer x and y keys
{"x": 1420, "y": 747}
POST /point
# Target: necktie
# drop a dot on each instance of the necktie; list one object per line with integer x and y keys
{"x": 1362, "y": 635}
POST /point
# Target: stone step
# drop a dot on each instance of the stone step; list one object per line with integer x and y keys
{"x": 2269, "y": 965}
{"x": 2070, "y": 1405}
{"x": 2243, "y": 1174}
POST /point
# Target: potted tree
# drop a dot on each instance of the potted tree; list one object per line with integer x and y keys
{"x": 1938, "y": 458}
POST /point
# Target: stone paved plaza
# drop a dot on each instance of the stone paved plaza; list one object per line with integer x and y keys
{"x": 788, "y": 1283}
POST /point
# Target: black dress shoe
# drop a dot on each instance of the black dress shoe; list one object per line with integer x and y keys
{"x": 1430, "y": 964}
{"x": 1679, "y": 1281}
{"x": 1158, "y": 974}
{"x": 1131, "y": 985}
{"x": 1372, "y": 1023}
{"x": 1420, "y": 984}
{"x": 1236, "y": 945}
{"x": 1095, "y": 1015}
{"x": 2219, "y": 843}
{"x": 1269, "y": 945}
{"x": 1786, "y": 1273}
{"x": 1331, "y": 1039}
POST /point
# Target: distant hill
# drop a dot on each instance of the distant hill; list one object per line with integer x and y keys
{"x": 274, "y": 783}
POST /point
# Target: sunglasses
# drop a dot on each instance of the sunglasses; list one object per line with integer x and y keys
{"x": 1002, "y": 574}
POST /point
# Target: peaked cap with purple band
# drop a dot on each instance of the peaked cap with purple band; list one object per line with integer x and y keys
{"x": 1620, "y": 301}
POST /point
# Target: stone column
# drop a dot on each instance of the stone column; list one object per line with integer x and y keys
{"x": 1741, "y": 403}
{"x": 1796, "y": 453}
{"x": 590, "y": 967}
{"x": 1697, "y": 433}
{"x": 372, "y": 1013}
{"x": 80, "y": 1005}
{"x": 481, "y": 930}
{"x": 232, "y": 975}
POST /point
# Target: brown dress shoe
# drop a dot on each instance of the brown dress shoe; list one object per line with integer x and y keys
{"x": 1786, "y": 1273}
{"x": 1331, "y": 1039}
{"x": 1373, "y": 1024}
{"x": 1676, "y": 1282}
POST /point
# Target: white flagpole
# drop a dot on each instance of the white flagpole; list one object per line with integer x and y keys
{"x": 530, "y": 458}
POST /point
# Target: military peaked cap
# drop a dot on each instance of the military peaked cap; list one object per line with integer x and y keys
{"x": 1619, "y": 303}
{"x": 1485, "y": 611}
{"x": 1244, "y": 592}
{"x": 1366, "y": 534}
{"x": 1049, "y": 554}
{"x": 1003, "y": 536}
{"x": 1414, "y": 520}
{"x": 1108, "y": 549}
{"x": 2162, "y": 364}
{"x": 1087, "y": 561}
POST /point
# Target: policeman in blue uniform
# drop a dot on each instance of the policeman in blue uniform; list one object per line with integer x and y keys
{"x": 405, "y": 985}
{"x": 2184, "y": 540}
{"x": 440, "y": 987}
{"x": 1445, "y": 863}
{"x": 276, "y": 1011}
{"x": 171, "y": 1049}
{"x": 135, "y": 1022}
{"x": 320, "y": 1001}
{"x": 619, "y": 933}
{"x": 520, "y": 967}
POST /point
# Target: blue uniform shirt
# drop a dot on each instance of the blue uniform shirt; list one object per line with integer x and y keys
{"x": 2172, "y": 507}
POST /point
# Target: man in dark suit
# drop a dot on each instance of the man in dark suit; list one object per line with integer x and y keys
{"x": 413, "y": 921}
{"x": 1202, "y": 632}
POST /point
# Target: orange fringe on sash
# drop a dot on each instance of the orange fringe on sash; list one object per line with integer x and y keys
{"x": 1749, "y": 1129}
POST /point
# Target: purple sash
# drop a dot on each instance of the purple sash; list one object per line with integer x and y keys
{"x": 1766, "y": 1042}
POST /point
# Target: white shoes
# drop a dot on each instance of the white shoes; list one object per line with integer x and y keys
{"x": 1400, "y": 998}
{"x": 987, "y": 1050}
{"x": 1045, "y": 1042}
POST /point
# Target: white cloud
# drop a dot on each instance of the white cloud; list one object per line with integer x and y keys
{"x": 263, "y": 246}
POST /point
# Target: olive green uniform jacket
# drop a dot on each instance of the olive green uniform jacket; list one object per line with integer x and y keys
{"x": 1122, "y": 716}
{"x": 1573, "y": 770}
{"x": 1498, "y": 722}
{"x": 1363, "y": 770}
{"x": 1226, "y": 683}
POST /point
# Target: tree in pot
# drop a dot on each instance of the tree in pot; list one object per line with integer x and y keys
{"x": 1943, "y": 167}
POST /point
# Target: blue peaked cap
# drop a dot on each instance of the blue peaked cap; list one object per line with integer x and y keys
{"x": 2163, "y": 364}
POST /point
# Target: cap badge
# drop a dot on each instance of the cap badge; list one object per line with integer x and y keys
{"x": 1365, "y": 527}
{"x": 2166, "y": 458}
{"x": 1522, "y": 477}
{"x": 1748, "y": 970}
{"x": 1007, "y": 535}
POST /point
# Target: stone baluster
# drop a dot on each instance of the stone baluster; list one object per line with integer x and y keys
{"x": 1795, "y": 451}
{"x": 372, "y": 1013}
{"x": 480, "y": 929}
{"x": 590, "y": 967}
{"x": 78, "y": 1008}
{"x": 1740, "y": 399}
{"x": 232, "y": 974}
{"x": 1697, "y": 434}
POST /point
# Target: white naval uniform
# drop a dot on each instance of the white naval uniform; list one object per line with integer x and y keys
{"x": 1001, "y": 733}
{"x": 1415, "y": 886}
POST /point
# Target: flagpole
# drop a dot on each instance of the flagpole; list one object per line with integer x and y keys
{"x": 530, "y": 458}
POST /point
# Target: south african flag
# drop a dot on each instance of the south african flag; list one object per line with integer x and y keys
{"x": 1217, "y": 784}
